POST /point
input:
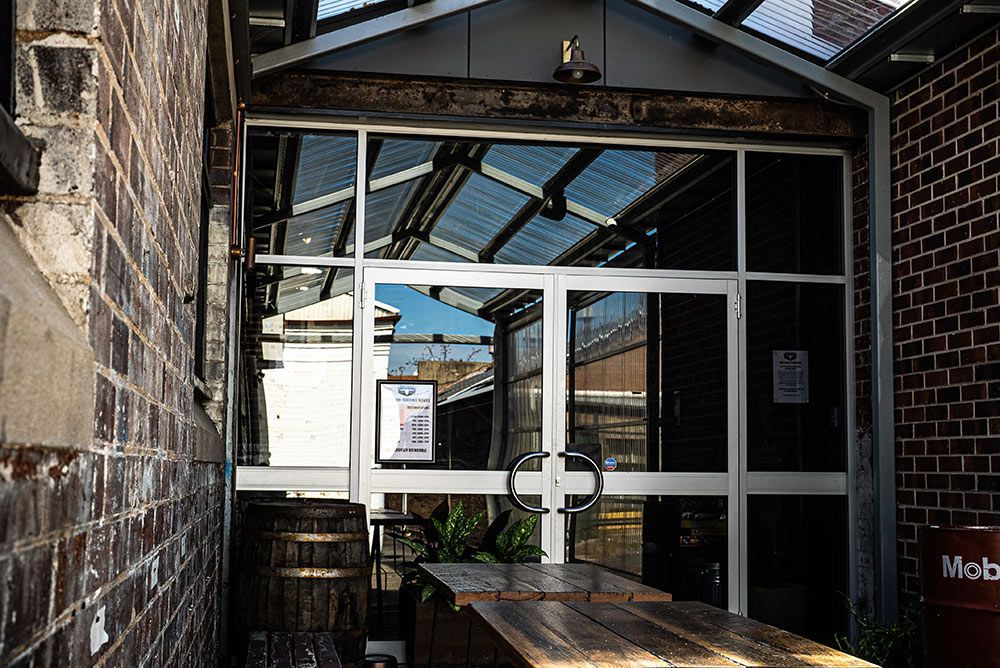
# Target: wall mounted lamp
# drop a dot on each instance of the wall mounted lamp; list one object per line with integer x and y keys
{"x": 575, "y": 68}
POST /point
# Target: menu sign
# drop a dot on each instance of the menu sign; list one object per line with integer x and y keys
{"x": 790, "y": 370}
{"x": 405, "y": 421}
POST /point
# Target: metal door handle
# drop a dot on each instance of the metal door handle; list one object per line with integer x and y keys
{"x": 598, "y": 488}
{"x": 515, "y": 466}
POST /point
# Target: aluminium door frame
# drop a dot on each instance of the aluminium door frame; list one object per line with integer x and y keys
{"x": 725, "y": 483}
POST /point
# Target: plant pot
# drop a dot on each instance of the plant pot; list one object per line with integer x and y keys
{"x": 438, "y": 636}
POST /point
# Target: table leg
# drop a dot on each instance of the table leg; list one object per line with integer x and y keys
{"x": 377, "y": 551}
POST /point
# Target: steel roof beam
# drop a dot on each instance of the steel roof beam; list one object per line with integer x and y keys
{"x": 880, "y": 263}
{"x": 361, "y": 33}
{"x": 735, "y": 11}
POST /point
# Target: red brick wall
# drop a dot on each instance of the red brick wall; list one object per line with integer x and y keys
{"x": 946, "y": 298}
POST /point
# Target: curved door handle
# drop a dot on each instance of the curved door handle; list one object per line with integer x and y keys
{"x": 515, "y": 467}
{"x": 598, "y": 488}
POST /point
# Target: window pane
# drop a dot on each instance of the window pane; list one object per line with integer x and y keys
{"x": 797, "y": 560}
{"x": 487, "y": 367}
{"x": 648, "y": 380}
{"x": 297, "y": 357}
{"x": 673, "y": 543}
{"x": 456, "y": 200}
{"x": 795, "y": 376}
{"x": 302, "y": 192}
{"x": 795, "y": 217}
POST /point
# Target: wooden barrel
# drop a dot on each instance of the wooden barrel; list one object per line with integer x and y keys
{"x": 305, "y": 568}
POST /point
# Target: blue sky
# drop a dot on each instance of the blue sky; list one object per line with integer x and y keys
{"x": 420, "y": 314}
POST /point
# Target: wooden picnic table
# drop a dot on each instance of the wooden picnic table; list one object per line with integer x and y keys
{"x": 465, "y": 583}
{"x": 544, "y": 634}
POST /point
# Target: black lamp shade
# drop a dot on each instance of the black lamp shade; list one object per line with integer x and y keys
{"x": 577, "y": 69}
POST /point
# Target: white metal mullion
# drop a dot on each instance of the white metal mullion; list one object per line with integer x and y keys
{"x": 733, "y": 469}
{"x": 849, "y": 389}
{"x": 363, "y": 346}
{"x": 738, "y": 496}
{"x": 554, "y": 416}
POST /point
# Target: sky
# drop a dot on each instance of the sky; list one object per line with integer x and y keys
{"x": 420, "y": 314}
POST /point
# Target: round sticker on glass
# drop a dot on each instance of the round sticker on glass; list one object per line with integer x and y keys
{"x": 610, "y": 464}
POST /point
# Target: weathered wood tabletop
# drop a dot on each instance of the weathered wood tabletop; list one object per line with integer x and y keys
{"x": 466, "y": 583}
{"x": 292, "y": 650}
{"x": 545, "y": 634}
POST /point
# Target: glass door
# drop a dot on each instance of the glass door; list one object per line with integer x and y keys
{"x": 455, "y": 369}
{"x": 646, "y": 477}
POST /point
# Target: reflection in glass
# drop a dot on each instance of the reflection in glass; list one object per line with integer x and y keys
{"x": 795, "y": 217}
{"x": 456, "y": 200}
{"x": 647, "y": 380}
{"x": 483, "y": 349}
{"x": 295, "y": 388}
{"x": 795, "y": 422}
{"x": 797, "y": 561}
{"x": 302, "y": 194}
{"x": 673, "y": 543}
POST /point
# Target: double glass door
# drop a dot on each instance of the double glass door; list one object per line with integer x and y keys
{"x": 604, "y": 401}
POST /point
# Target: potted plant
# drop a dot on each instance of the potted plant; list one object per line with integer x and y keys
{"x": 437, "y": 632}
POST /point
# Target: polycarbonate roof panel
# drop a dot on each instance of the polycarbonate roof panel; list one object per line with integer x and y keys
{"x": 542, "y": 240}
{"x": 427, "y": 253}
{"x": 534, "y": 164}
{"x": 618, "y": 178}
{"x": 329, "y": 8}
{"x": 395, "y": 155}
{"x": 383, "y": 209}
{"x": 709, "y": 4}
{"x": 823, "y": 28}
{"x": 481, "y": 209}
{"x": 326, "y": 164}
{"x": 314, "y": 233}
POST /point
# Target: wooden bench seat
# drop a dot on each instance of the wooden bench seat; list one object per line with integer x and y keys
{"x": 291, "y": 650}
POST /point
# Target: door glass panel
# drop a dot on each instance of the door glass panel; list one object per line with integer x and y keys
{"x": 674, "y": 543}
{"x": 481, "y": 348}
{"x": 647, "y": 381}
{"x": 795, "y": 372}
{"x": 295, "y": 385}
{"x": 792, "y": 584}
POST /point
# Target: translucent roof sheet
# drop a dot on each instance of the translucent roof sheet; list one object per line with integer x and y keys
{"x": 822, "y": 28}
{"x": 313, "y": 233}
{"x": 326, "y": 164}
{"x": 481, "y": 209}
{"x": 542, "y": 240}
{"x": 395, "y": 155}
{"x": 384, "y": 207}
{"x": 709, "y": 4}
{"x": 618, "y": 178}
{"x": 534, "y": 164}
{"x": 330, "y": 8}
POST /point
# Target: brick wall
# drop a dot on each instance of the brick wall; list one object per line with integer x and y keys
{"x": 110, "y": 542}
{"x": 946, "y": 294}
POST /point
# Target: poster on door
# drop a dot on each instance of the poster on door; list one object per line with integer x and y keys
{"x": 404, "y": 422}
{"x": 790, "y": 372}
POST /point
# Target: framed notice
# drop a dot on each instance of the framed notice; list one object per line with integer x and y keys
{"x": 404, "y": 421}
{"x": 790, "y": 374}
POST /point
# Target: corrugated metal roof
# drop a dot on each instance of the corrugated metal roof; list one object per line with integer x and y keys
{"x": 822, "y": 28}
{"x": 326, "y": 164}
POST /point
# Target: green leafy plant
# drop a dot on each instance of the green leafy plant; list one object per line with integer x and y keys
{"x": 446, "y": 541}
{"x": 509, "y": 544}
{"x": 893, "y": 646}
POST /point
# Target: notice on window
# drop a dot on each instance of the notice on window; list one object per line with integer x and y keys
{"x": 405, "y": 421}
{"x": 790, "y": 370}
